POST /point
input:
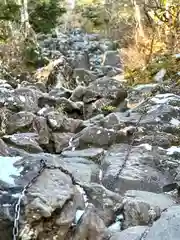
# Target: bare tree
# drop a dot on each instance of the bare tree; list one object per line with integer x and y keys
{"x": 138, "y": 18}
{"x": 25, "y": 26}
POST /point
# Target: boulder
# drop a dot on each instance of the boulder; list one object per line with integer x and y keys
{"x": 23, "y": 99}
{"x": 61, "y": 140}
{"x": 112, "y": 58}
{"x": 25, "y": 141}
{"x": 167, "y": 227}
{"x": 18, "y": 122}
{"x": 133, "y": 233}
{"x": 109, "y": 88}
{"x": 139, "y": 172}
{"x": 142, "y": 207}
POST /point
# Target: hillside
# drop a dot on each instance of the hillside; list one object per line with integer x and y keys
{"x": 89, "y": 133}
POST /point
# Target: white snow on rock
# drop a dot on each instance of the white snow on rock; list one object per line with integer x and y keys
{"x": 172, "y": 150}
{"x": 175, "y": 122}
{"x": 8, "y": 170}
{"x": 164, "y": 98}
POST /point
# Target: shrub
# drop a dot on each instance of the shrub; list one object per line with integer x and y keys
{"x": 44, "y": 14}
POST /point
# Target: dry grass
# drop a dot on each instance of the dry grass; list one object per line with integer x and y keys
{"x": 11, "y": 54}
{"x": 144, "y": 56}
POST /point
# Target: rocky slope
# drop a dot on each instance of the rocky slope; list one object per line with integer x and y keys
{"x": 70, "y": 130}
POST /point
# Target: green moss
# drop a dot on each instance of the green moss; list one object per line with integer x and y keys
{"x": 108, "y": 108}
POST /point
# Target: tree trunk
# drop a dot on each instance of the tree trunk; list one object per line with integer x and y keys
{"x": 138, "y": 18}
{"x": 25, "y": 26}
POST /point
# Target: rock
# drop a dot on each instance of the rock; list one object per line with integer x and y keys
{"x": 41, "y": 128}
{"x": 114, "y": 119}
{"x": 61, "y": 140}
{"x": 58, "y": 121}
{"x": 160, "y": 75}
{"x": 55, "y": 119}
{"x": 4, "y": 150}
{"x": 91, "y": 226}
{"x": 37, "y": 86}
{"x": 78, "y": 94}
{"x": 84, "y": 171}
{"x": 105, "y": 201}
{"x": 95, "y": 136}
{"x": 96, "y": 120}
{"x": 107, "y": 70}
{"x": 48, "y": 74}
{"x": 103, "y": 173}
{"x": 163, "y": 139}
{"x": 141, "y": 207}
{"x": 57, "y": 93}
{"x": 133, "y": 233}
{"x": 67, "y": 105}
{"x": 112, "y": 58}
{"x": 23, "y": 99}
{"x": 138, "y": 93}
{"x": 82, "y": 61}
{"x": 138, "y": 173}
{"x": 60, "y": 186}
{"x": 26, "y": 141}
{"x": 109, "y": 88}
{"x": 90, "y": 153}
{"x": 107, "y": 45}
{"x": 96, "y": 107}
{"x": 167, "y": 227}
{"x": 43, "y": 112}
{"x": 72, "y": 125}
{"x": 18, "y": 122}
{"x": 83, "y": 76}
{"x": 6, "y": 198}
{"x": 5, "y": 93}
{"x": 46, "y": 101}
{"x": 4, "y": 84}
{"x": 91, "y": 96}
{"x": 41, "y": 201}
{"x": 162, "y": 113}
{"x": 58, "y": 201}
{"x": 65, "y": 195}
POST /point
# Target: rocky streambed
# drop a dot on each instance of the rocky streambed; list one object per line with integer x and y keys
{"x": 71, "y": 131}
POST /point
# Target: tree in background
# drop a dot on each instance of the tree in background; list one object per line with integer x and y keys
{"x": 21, "y": 15}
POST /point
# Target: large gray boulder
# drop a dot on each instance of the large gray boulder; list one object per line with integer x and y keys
{"x": 167, "y": 227}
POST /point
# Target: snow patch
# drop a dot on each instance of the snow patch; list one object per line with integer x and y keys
{"x": 79, "y": 214}
{"x": 22, "y": 98}
{"x": 73, "y": 148}
{"x": 54, "y": 122}
{"x": 81, "y": 190}
{"x": 100, "y": 175}
{"x": 146, "y": 146}
{"x": 175, "y": 122}
{"x": 41, "y": 111}
{"x": 172, "y": 150}
{"x": 8, "y": 170}
{"x": 164, "y": 98}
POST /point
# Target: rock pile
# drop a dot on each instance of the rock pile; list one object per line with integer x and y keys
{"x": 72, "y": 127}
